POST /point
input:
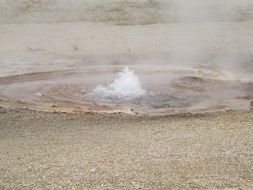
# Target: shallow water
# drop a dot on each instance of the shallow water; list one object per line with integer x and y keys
{"x": 165, "y": 90}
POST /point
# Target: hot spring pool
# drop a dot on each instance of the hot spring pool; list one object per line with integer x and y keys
{"x": 127, "y": 89}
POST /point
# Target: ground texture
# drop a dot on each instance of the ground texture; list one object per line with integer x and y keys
{"x": 60, "y": 151}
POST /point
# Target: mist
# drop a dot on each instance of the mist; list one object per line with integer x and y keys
{"x": 199, "y": 31}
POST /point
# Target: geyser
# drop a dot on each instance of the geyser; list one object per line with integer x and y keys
{"x": 125, "y": 87}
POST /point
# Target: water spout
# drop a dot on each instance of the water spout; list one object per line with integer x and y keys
{"x": 125, "y": 87}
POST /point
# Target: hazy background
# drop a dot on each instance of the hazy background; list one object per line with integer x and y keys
{"x": 43, "y": 34}
{"x": 125, "y": 11}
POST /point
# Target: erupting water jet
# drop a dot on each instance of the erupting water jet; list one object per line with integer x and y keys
{"x": 125, "y": 87}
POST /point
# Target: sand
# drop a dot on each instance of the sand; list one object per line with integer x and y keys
{"x": 70, "y": 151}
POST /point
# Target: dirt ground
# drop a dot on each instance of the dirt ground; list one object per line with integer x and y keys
{"x": 67, "y": 151}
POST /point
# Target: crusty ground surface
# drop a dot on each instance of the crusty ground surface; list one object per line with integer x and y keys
{"x": 67, "y": 151}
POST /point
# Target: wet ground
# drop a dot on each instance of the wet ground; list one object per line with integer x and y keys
{"x": 167, "y": 90}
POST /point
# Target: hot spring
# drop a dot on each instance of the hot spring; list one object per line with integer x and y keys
{"x": 138, "y": 56}
{"x": 123, "y": 89}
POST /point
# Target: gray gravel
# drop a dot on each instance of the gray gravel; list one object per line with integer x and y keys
{"x": 60, "y": 151}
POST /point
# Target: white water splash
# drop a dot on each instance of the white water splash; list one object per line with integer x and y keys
{"x": 125, "y": 87}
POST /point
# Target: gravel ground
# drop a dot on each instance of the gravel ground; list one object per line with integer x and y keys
{"x": 60, "y": 151}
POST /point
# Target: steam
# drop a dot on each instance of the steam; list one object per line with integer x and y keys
{"x": 125, "y": 87}
{"x": 210, "y": 10}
